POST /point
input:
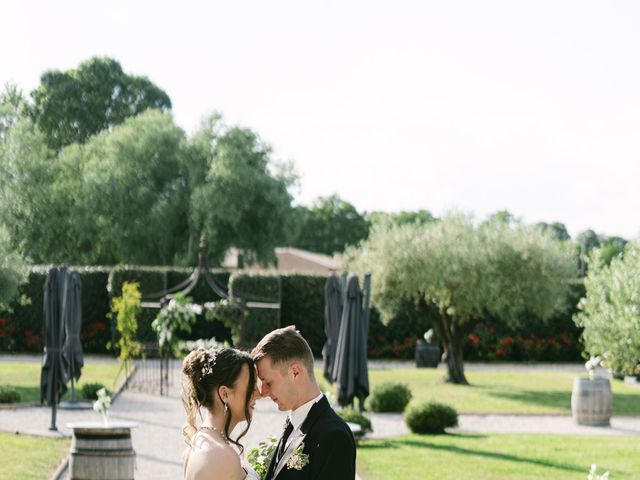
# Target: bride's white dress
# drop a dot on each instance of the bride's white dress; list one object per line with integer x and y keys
{"x": 251, "y": 473}
{"x": 200, "y": 447}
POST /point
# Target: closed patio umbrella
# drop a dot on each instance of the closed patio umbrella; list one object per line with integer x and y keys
{"x": 350, "y": 370}
{"x": 53, "y": 377}
{"x": 72, "y": 316}
{"x": 332, "y": 316}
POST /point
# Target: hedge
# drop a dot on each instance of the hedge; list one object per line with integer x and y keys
{"x": 303, "y": 306}
{"x": 257, "y": 321}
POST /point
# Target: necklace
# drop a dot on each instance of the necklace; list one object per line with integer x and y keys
{"x": 221, "y": 433}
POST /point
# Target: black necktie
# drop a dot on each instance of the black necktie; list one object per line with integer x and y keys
{"x": 288, "y": 428}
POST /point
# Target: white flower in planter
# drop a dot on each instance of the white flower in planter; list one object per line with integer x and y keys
{"x": 103, "y": 404}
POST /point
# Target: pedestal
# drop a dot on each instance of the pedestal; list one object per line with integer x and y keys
{"x": 102, "y": 452}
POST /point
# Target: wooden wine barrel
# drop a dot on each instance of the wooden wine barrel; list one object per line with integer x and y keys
{"x": 102, "y": 452}
{"x": 591, "y": 401}
{"x": 427, "y": 355}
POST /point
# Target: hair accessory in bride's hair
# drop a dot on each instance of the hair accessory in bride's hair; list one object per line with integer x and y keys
{"x": 207, "y": 368}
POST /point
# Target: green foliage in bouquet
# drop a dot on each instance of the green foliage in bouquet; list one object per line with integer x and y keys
{"x": 260, "y": 456}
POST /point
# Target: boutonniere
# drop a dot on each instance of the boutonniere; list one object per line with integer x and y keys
{"x": 298, "y": 460}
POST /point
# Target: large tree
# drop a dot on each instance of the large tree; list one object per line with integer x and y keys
{"x": 465, "y": 272}
{"x": 33, "y": 205}
{"x": 328, "y": 226}
{"x": 119, "y": 198}
{"x": 610, "y": 311}
{"x": 239, "y": 195}
{"x": 73, "y": 105}
{"x": 133, "y": 199}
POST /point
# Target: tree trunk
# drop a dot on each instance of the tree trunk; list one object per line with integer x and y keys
{"x": 455, "y": 363}
{"x": 450, "y": 331}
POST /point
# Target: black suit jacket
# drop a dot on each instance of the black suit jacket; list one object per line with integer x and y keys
{"x": 329, "y": 444}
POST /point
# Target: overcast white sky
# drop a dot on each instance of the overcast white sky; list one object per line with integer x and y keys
{"x": 472, "y": 105}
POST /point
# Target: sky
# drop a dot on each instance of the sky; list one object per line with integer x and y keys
{"x": 528, "y": 106}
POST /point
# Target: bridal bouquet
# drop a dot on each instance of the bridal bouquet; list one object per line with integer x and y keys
{"x": 260, "y": 457}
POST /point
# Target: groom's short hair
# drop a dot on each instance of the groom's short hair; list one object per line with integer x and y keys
{"x": 285, "y": 345}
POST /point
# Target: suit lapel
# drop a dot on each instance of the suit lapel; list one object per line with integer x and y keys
{"x": 295, "y": 443}
{"x": 318, "y": 409}
{"x": 314, "y": 414}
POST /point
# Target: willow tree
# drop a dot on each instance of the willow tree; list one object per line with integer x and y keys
{"x": 465, "y": 272}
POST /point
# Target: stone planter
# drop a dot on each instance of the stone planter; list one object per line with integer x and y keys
{"x": 592, "y": 401}
{"x": 427, "y": 354}
{"x": 102, "y": 451}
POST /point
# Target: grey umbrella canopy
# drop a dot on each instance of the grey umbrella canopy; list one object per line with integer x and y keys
{"x": 53, "y": 377}
{"x": 350, "y": 370}
{"x": 332, "y": 316}
{"x": 72, "y": 317}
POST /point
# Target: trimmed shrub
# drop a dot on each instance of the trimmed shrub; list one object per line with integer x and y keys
{"x": 355, "y": 416}
{"x": 390, "y": 397}
{"x": 90, "y": 390}
{"x": 9, "y": 394}
{"x": 430, "y": 417}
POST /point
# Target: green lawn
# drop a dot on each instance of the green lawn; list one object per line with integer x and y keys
{"x": 492, "y": 457}
{"x": 31, "y": 458}
{"x": 25, "y": 377}
{"x": 533, "y": 392}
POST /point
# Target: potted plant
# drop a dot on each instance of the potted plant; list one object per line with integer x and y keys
{"x": 427, "y": 351}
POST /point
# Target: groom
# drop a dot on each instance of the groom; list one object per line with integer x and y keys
{"x": 316, "y": 443}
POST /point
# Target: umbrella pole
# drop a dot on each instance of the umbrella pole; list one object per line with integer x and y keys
{"x": 55, "y": 401}
{"x": 73, "y": 400}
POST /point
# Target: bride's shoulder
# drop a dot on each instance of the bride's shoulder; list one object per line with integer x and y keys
{"x": 212, "y": 460}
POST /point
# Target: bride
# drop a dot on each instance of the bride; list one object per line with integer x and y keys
{"x": 222, "y": 383}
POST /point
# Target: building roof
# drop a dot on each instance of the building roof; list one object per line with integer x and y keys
{"x": 325, "y": 261}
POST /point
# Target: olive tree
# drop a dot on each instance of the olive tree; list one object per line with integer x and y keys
{"x": 465, "y": 272}
{"x": 610, "y": 311}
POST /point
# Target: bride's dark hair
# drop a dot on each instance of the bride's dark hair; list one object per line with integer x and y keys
{"x": 203, "y": 371}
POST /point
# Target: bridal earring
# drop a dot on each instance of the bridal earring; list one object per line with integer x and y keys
{"x": 226, "y": 408}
